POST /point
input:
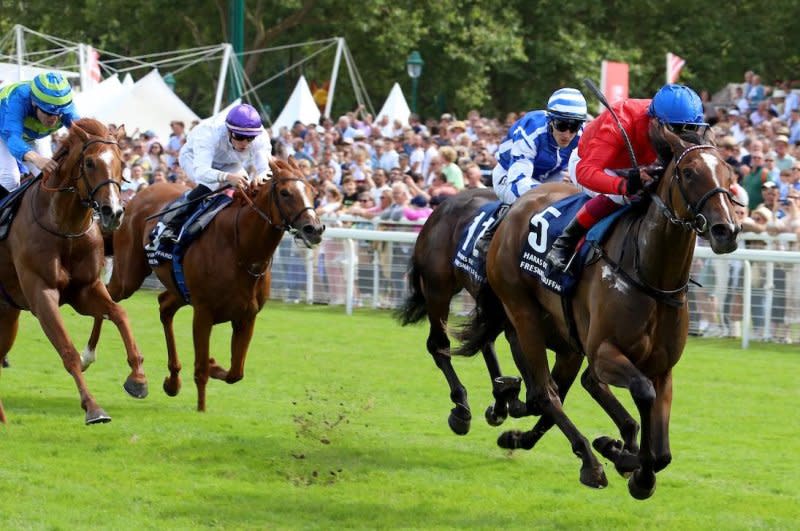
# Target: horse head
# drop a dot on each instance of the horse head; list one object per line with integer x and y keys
{"x": 94, "y": 164}
{"x": 289, "y": 199}
{"x": 695, "y": 190}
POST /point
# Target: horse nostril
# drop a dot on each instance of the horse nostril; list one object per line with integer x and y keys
{"x": 723, "y": 231}
{"x": 106, "y": 211}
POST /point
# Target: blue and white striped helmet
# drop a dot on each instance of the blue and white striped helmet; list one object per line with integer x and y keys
{"x": 567, "y": 104}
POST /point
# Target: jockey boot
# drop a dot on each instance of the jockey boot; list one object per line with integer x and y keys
{"x": 173, "y": 221}
{"x": 563, "y": 248}
{"x": 482, "y": 245}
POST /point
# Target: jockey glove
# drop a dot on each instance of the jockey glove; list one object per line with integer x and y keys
{"x": 634, "y": 182}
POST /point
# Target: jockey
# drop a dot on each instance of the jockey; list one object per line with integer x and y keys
{"x": 602, "y": 147}
{"x": 536, "y": 150}
{"x": 31, "y": 110}
{"x": 218, "y": 154}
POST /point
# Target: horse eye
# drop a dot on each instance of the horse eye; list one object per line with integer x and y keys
{"x": 90, "y": 163}
{"x": 285, "y": 193}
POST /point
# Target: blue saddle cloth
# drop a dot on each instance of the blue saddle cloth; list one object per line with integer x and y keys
{"x": 468, "y": 258}
{"x": 548, "y": 225}
{"x": 204, "y": 212}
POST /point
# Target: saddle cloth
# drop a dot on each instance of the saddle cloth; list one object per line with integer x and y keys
{"x": 468, "y": 258}
{"x": 10, "y": 204}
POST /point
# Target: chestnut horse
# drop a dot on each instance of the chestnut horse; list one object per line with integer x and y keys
{"x": 227, "y": 269}
{"x": 434, "y": 281}
{"x": 54, "y": 253}
{"x": 629, "y": 310}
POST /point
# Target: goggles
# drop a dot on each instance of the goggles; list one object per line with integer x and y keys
{"x": 242, "y": 138}
{"x": 567, "y": 125}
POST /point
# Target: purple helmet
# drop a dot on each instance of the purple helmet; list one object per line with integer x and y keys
{"x": 244, "y": 120}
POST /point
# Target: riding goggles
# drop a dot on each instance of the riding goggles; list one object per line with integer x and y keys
{"x": 688, "y": 128}
{"x": 242, "y": 138}
{"x": 567, "y": 125}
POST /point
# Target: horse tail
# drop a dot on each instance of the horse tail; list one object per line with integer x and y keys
{"x": 413, "y": 309}
{"x": 485, "y": 323}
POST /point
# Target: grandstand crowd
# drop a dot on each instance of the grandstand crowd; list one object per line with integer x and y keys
{"x": 397, "y": 172}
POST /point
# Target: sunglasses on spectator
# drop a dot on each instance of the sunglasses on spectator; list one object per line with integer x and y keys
{"x": 567, "y": 125}
{"x": 242, "y": 138}
{"x": 364, "y": 200}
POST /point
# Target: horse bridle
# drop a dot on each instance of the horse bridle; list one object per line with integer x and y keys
{"x": 89, "y": 201}
{"x": 697, "y": 221}
{"x": 286, "y": 223}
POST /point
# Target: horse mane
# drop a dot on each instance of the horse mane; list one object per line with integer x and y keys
{"x": 284, "y": 167}
{"x": 663, "y": 148}
{"x": 90, "y": 126}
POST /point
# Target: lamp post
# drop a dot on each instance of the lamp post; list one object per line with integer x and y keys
{"x": 414, "y": 68}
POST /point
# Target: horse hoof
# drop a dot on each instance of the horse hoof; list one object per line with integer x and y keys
{"x": 170, "y": 388}
{"x": 459, "y": 425}
{"x": 510, "y": 440}
{"x": 594, "y": 477}
{"x": 135, "y": 389}
{"x": 492, "y": 419}
{"x": 639, "y": 491}
{"x": 6, "y": 364}
{"x": 98, "y": 416}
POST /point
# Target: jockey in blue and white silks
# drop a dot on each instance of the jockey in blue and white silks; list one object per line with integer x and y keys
{"x": 536, "y": 150}
{"x": 31, "y": 110}
{"x": 538, "y": 146}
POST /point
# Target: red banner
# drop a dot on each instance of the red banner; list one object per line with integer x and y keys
{"x": 614, "y": 81}
{"x": 674, "y": 66}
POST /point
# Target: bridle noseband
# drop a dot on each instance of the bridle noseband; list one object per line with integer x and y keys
{"x": 697, "y": 221}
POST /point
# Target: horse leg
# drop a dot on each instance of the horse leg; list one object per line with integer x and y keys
{"x": 660, "y": 419}
{"x": 89, "y": 354}
{"x": 240, "y": 341}
{"x": 9, "y": 325}
{"x": 44, "y": 304}
{"x": 505, "y": 389}
{"x": 168, "y": 305}
{"x": 541, "y": 395}
{"x": 625, "y": 453}
{"x": 614, "y": 368}
{"x": 201, "y": 333}
{"x": 565, "y": 370}
{"x": 94, "y": 300}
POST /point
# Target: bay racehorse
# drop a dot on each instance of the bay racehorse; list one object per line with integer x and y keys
{"x": 629, "y": 312}
{"x": 227, "y": 269}
{"x": 54, "y": 253}
{"x": 434, "y": 281}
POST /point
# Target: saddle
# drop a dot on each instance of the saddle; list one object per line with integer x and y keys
{"x": 9, "y": 206}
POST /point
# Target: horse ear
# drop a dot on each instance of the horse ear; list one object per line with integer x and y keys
{"x": 273, "y": 166}
{"x": 75, "y": 128}
{"x": 120, "y": 135}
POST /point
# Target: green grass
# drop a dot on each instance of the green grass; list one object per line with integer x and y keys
{"x": 340, "y": 422}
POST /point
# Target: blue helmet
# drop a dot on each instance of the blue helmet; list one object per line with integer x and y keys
{"x": 567, "y": 104}
{"x": 677, "y": 104}
{"x": 51, "y": 92}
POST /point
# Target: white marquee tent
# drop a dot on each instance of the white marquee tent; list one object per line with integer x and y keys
{"x": 300, "y": 106}
{"x": 395, "y": 107}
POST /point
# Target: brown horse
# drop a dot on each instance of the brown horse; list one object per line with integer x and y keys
{"x": 227, "y": 269}
{"x": 629, "y": 311}
{"x": 433, "y": 282}
{"x": 54, "y": 253}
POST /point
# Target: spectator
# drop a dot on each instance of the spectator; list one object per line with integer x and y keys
{"x": 400, "y": 201}
{"x": 783, "y": 160}
{"x": 177, "y": 139}
{"x": 473, "y": 176}
{"x": 753, "y": 180}
{"x": 417, "y": 210}
{"x": 450, "y": 169}
{"x": 155, "y": 156}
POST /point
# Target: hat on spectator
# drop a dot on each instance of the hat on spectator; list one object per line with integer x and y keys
{"x": 762, "y": 211}
{"x": 437, "y": 199}
{"x": 782, "y": 138}
{"x": 149, "y": 133}
{"x": 457, "y": 125}
{"x": 359, "y": 135}
{"x": 769, "y": 155}
{"x": 347, "y": 140}
{"x": 727, "y": 142}
{"x": 446, "y": 116}
{"x": 419, "y": 201}
{"x": 778, "y": 93}
{"x": 733, "y": 112}
{"x": 766, "y": 185}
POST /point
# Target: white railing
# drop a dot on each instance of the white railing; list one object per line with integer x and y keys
{"x": 366, "y": 267}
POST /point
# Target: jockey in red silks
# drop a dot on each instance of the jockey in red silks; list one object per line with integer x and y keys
{"x": 602, "y": 147}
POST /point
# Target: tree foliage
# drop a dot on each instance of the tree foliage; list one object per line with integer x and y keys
{"x": 487, "y": 54}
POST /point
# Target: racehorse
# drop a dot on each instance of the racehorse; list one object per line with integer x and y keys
{"x": 629, "y": 312}
{"x": 227, "y": 269}
{"x": 433, "y": 282}
{"x": 54, "y": 252}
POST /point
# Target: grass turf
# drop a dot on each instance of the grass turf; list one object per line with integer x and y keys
{"x": 341, "y": 422}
